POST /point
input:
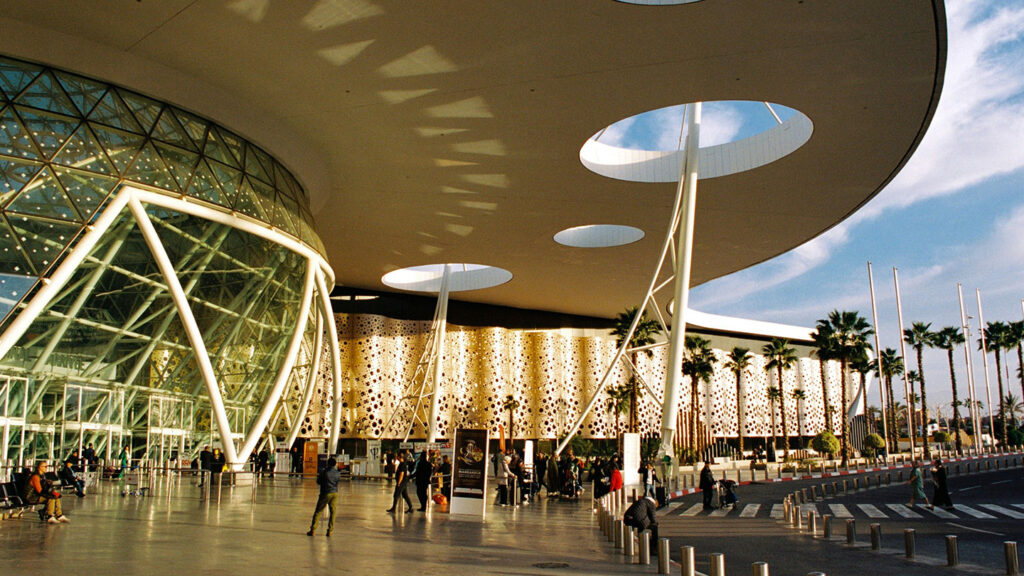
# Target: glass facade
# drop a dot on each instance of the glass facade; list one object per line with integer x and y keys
{"x": 109, "y": 357}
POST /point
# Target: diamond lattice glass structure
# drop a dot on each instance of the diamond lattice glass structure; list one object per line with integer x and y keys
{"x": 162, "y": 285}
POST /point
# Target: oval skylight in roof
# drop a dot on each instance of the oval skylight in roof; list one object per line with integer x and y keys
{"x": 462, "y": 277}
{"x": 599, "y": 236}
{"x": 735, "y": 135}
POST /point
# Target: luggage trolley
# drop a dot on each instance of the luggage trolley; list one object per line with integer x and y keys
{"x": 132, "y": 483}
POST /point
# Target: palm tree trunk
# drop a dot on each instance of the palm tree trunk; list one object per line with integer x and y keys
{"x": 775, "y": 437}
{"x": 956, "y": 403}
{"x": 1020, "y": 362}
{"x": 785, "y": 428}
{"x": 824, "y": 396}
{"x": 843, "y": 410}
{"x": 924, "y": 404}
{"x": 894, "y": 426}
{"x": 739, "y": 413}
{"x": 1002, "y": 402}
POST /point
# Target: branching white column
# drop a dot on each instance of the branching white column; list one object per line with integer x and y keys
{"x": 332, "y": 333}
{"x": 442, "y": 320}
{"x": 188, "y": 321}
{"x": 677, "y": 337}
{"x": 311, "y": 378}
{"x": 270, "y": 403}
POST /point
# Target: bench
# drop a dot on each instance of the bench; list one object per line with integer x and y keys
{"x": 10, "y": 501}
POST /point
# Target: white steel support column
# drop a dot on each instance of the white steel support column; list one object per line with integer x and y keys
{"x": 984, "y": 360}
{"x": 53, "y": 285}
{"x": 442, "y": 319}
{"x": 188, "y": 321}
{"x": 973, "y": 408}
{"x": 912, "y": 432}
{"x": 681, "y": 300}
{"x": 878, "y": 363}
{"x": 285, "y": 372}
{"x": 332, "y": 338}
{"x": 311, "y": 382}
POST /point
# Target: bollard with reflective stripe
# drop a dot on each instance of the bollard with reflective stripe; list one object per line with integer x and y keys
{"x": 1010, "y": 551}
{"x": 759, "y": 569}
{"x": 664, "y": 562}
{"x": 851, "y": 532}
{"x": 828, "y": 526}
{"x": 876, "y": 536}
{"x": 645, "y": 548}
{"x": 687, "y": 561}
{"x": 717, "y": 564}
{"x": 908, "y": 542}
{"x": 952, "y": 554}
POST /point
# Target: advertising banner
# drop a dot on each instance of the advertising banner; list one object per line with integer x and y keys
{"x": 373, "y": 456}
{"x": 469, "y": 473}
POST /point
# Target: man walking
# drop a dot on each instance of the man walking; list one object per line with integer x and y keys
{"x": 707, "y": 485}
{"x": 403, "y": 475}
{"x": 328, "y": 481}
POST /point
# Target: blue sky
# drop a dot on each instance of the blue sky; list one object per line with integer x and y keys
{"x": 955, "y": 213}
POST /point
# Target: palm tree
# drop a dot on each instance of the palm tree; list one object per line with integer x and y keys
{"x": 1015, "y": 336}
{"x": 997, "y": 340}
{"x": 618, "y": 403}
{"x": 643, "y": 335}
{"x": 773, "y": 395}
{"x": 739, "y": 361}
{"x": 892, "y": 364}
{"x": 849, "y": 333}
{"x": 863, "y": 366}
{"x": 1014, "y": 408}
{"x": 699, "y": 365}
{"x": 823, "y": 345}
{"x": 799, "y": 395}
{"x": 948, "y": 339}
{"x": 510, "y": 404}
{"x": 781, "y": 356}
{"x": 917, "y": 337}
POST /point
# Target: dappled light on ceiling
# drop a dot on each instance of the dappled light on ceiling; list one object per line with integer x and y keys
{"x": 491, "y": 147}
{"x": 330, "y": 13}
{"x": 251, "y": 10}
{"x": 424, "y": 61}
{"x": 402, "y": 96}
{"x": 475, "y": 107}
{"x": 343, "y": 53}
{"x": 492, "y": 180}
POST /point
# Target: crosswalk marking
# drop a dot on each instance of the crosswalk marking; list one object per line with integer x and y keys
{"x": 972, "y": 511}
{"x": 693, "y": 510}
{"x": 669, "y": 509}
{"x": 903, "y": 511}
{"x": 750, "y": 510}
{"x": 1004, "y": 511}
{"x": 944, "y": 514}
{"x": 872, "y": 511}
{"x": 720, "y": 512}
{"x": 840, "y": 511}
{"x": 808, "y": 507}
{"x": 778, "y": 511}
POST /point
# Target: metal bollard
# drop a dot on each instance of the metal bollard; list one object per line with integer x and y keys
{"x": 888, "y": 477}
{"x": 867, "y": 482}
{"x": 1010, "y": 551}
{"x": 876, "y": 536}
{"x": 846, "y": 485}
{"x": 827, "y": 535}
{"x": 759, "y": 569}
{"x": 799, "y": 519}
{"x": 908, "y": 542}
{"x": 687, "y": 561}
{"x": 717, "y": 564}
{"x": 806, "y": 496}
{"x": 645, "y": 548}
{"x": 814, "y": 492}
{"x": 664, "y": 562}
{"x": 835, "y": 489}
{"x": 851, "y": 532}
{"x": 610, "y": 526}
{"x": 952, "y": 555}
{"x": 620, "y": 534}
{"x": 812, "y": 523}
{"x": 629, "y": 545}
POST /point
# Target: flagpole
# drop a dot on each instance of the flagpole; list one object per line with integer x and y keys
{"x": 984, "y": 351}
{"x": 903, "y": 353}
{"x": 878, "y": 361}
{"x": 966, "y": 327}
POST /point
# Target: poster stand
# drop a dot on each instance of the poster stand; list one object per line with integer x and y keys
{"x": 469, "y": 473}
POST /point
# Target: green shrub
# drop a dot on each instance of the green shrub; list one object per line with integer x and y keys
{"x": 825, "y": 443}
{"x": 941, "y": 437}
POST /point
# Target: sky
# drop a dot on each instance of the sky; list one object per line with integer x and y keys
{"x": 954, "y": 214}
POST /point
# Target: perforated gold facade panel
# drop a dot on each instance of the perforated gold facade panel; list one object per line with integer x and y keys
{"x": 552, "y": 373}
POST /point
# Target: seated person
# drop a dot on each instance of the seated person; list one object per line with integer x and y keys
{"x": 39, "y": 490}
{"x": 69, "y": 478}
{"x": 641, "y": 515}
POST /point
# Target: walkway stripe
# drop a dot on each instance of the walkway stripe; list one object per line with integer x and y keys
{"x": 750, "y": 511}
{"x": 944, "y": 514}
{"x": 1005, "y": 511}
{"x": 903, "y": 511}
{"x": 840, "y": 511}
{"x": 778, "y": 511}
{"x": 872, "y": 511}
{"x": 972, "y": 512}
{"x": 693, "y": 510}
{"x": 808, "y": 507}
{"x": 719, "y": 512}
{"x": 1021, "y": 506}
